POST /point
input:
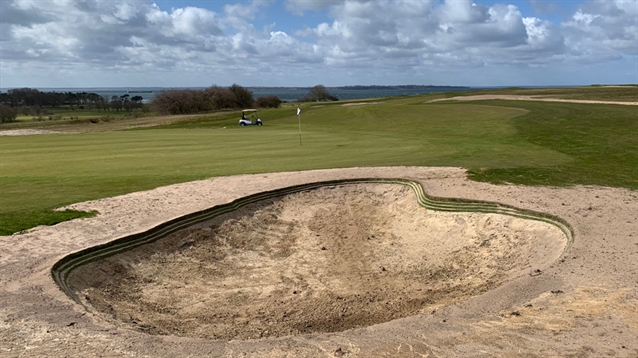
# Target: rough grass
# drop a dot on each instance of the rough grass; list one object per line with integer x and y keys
{"x": 500, "y": 141}
{"x": 17, "y": 221}
{"x": 65, "y": 116}
{"x": 601, "y": 140}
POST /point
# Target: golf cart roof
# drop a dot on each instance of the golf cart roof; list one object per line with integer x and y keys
{"x": 249, "y": 110}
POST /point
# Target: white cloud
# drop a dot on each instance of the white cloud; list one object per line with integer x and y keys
{"x": 242, "y": 11}
{"x": 462, "y": 11}
{"x": 603, "y": 29}
{"x": 362, "y": 40}
{"x": 194, "y": 22}
{"x": 543, "y": 36}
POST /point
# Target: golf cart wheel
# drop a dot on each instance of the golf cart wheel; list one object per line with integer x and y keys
{"x": 259, "y": 124}
{"x": 242, "y": 124}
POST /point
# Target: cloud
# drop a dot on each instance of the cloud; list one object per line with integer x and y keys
{"x": 355, "y": 40}
{"x": 412, "y": 34}
{"x": 20, "y": 13}
{"x": 298, "y": 7}
{"x": 99, "y": 31}
{"x": 603, "y": 29}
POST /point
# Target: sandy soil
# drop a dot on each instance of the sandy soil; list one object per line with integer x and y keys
{"x": 321, "y": 261}
{"x": 358, "y": 104}
{"x": 484, "y": 97}
{"x": 584, "y": 304}
{"x": 18, "y": 132}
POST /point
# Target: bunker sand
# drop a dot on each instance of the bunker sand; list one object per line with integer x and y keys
{"x": 326, "y": 260}
{"x": 541, "y": 98}
{"x": 541, "y": 308}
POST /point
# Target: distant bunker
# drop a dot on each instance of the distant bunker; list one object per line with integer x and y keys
{"x": 325, "y": 258}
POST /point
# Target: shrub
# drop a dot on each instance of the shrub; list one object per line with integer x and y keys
{"x": 318, "y": 93}
{"x": 243, "y": 97}
{"x": 194, "y": 101}
{"x": 271, "y": 101}
{"x": 7, "y": 113}
{"x": 180, "y": 102}
{"x": 220, "y": 97}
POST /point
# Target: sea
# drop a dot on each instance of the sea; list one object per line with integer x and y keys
{"x": 287, "y": 94}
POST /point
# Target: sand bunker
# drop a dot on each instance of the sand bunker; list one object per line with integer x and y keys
{"x": 486, "y": 97}
{"x": 21, "y": 132}
{"x": 324, "y": 260}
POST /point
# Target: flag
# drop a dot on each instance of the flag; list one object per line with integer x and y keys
{"x": 298, "y": 110}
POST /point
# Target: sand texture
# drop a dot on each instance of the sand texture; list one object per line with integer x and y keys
{"x": 541, "y": 98}
{"x": 350, "y": 270}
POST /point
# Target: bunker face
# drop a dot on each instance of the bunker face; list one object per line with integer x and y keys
{"x": 325, "y": 260}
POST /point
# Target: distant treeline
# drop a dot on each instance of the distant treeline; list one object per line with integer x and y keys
{"x": 32, "y": 97}
{"x": 186, "y": 101}
{"x": 30, "y": 101}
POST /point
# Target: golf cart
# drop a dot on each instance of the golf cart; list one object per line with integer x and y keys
{"x": 252, "y": 121}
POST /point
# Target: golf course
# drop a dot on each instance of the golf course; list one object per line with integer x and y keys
{"x": 487, "y": 223}
{"x": 518, "y": 142}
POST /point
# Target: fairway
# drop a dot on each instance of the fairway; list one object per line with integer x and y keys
{"x": 499, "y": 141}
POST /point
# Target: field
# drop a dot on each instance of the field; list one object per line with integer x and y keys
{"x": 520, "y": 142}
{"x": 201, "y": 238}
{"x": 67, "y": 115}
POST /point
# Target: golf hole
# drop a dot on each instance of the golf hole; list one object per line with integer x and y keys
{"x": 324, "y": 260}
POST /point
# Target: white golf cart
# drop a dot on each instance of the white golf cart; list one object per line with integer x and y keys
{"x": 249, "y": 118}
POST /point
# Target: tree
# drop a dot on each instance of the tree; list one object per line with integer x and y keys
{"x": 220, "y": 97}
{"x": 5, "y": 98}
{"x": 271, "y": 101}
{"x": 180, "y": 102}
{"x": 193, "y": 101}
{"x": 7, "y": 114}
{"x": 243, "y": 97}
{"x": 102, "y": 102}
{"x": 318, "y": 93}
{"x": 116, "y": 103}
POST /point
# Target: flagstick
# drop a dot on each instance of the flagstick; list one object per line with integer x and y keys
{"x": 299, "y": 115}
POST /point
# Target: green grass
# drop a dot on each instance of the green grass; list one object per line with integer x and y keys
{"x": 602, "y": 141}
{"x": 500, "y": 141}
{"x": 64, "y": 115}
{"x": 17, "y": 221}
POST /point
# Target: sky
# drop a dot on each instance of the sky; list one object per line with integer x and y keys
{"x": 199, "y": 43}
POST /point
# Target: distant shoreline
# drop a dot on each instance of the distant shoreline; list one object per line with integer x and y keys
{"x": 287, "y": 94}
{"x": 148, "y": 89}
{"x": 159, "y": 88}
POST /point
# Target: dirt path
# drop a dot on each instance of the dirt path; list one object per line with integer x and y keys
{"x": 585, "y": 304}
